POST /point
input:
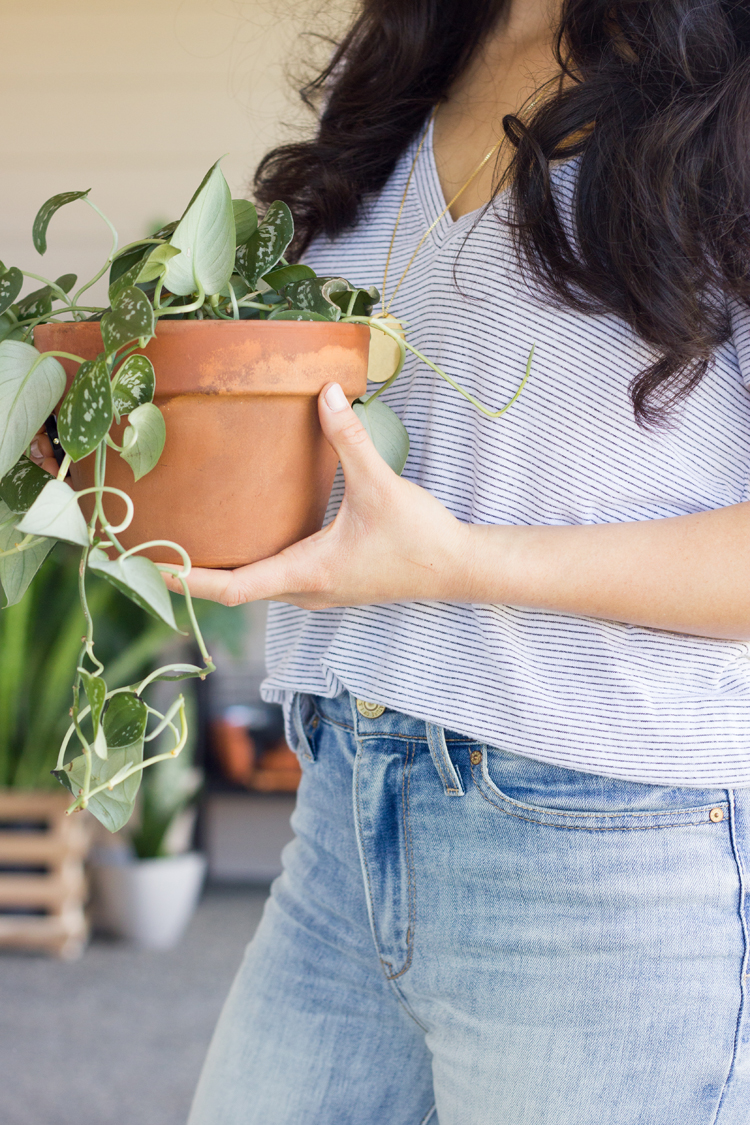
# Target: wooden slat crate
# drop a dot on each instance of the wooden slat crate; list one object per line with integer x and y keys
{"x": 42, "y": 881}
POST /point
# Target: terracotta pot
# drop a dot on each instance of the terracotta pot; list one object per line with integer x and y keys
{"x": 245, "y": 470}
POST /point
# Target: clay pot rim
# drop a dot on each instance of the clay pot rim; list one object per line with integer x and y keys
{"x": 168, "y": 328}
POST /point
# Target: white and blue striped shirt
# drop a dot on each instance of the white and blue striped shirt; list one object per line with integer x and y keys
{"x": 601, "y": 696}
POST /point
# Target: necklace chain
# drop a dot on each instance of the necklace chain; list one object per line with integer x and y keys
{"x": 385, "y": 305}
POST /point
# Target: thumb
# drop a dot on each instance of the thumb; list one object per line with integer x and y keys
{"x": 346, "y": 434}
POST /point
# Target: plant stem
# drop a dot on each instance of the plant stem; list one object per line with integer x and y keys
{"x": 233, "y": 299}
{"x": 89, "y": 639}
{"x": 24, "y": 544}
{"x": 475, "y": 402}
{"x": 52, "y": 285}
{"x": 110, "y": 259}
{"x": 256, "y": 305}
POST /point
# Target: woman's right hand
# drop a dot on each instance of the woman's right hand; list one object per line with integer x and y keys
{"x": 42, "y": 453}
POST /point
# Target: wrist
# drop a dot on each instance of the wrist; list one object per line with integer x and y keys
{"x": 492, "y": 562}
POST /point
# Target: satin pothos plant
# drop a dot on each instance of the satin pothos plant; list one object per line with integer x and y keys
{"x": 217, "y": 262}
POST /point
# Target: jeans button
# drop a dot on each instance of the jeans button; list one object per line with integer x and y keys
{"x": 370, "y": 710}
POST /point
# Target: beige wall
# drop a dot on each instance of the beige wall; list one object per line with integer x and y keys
{"x": 136, "y": 99}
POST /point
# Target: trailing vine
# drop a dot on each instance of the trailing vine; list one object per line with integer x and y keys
{"x": 218, "y": 262}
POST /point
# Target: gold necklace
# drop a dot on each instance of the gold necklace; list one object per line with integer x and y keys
{"x": 385, "y": 306}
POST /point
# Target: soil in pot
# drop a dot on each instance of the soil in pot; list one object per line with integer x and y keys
{"x": 246, "y": 470}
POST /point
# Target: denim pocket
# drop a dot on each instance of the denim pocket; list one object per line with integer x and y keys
{"x": 561, "y": 798}
{"x": 302, "y": 724}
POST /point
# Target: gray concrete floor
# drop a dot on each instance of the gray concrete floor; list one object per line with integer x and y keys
{"x": 118, "y": 1037}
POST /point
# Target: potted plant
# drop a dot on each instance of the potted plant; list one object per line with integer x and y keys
{"x": 42, "y": 886}
{"x": 210, "y": 333}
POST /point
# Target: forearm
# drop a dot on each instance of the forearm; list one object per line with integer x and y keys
{"x": 688, "y": 574}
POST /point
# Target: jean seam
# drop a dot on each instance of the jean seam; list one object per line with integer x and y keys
{"x": 411, "y": 891}
{"x": 300, "y": 728}
{"x": 404, "y": 1003}
{"x": 428, "y": 1115}
{"x": 390, "y": 974}
{"x": 370, "y": 896}
{"x": 437, "y": 758}
{"x": 333, "y": 722}
{"x": 439, "y": 764}
{"x": 744, "y": 967}
{"x": 592, "y": 827}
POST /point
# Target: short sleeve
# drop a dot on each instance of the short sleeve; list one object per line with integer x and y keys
{"x": 740, "y": 316}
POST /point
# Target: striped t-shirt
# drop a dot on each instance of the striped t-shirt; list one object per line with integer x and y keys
{"x": 609, "y": 698}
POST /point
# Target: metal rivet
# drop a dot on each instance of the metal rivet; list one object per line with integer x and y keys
{"x": 370, "y": 710}
{"x": 475, "y": 757}
{"x": 716, "y": 815}
{"x": 315, "y": 722}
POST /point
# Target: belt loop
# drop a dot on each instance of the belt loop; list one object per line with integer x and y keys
{"x": 452, "y": 783}
{"x": 300, "y": 702}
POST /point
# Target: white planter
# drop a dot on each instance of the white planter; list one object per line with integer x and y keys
{"x": 148, "y": 901}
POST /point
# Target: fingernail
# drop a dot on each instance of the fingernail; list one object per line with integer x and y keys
{"x": 35, "y": 450}
{"x": 335, "y": 398}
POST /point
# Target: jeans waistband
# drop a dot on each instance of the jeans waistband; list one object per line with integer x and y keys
{"x": 343, "y": 711}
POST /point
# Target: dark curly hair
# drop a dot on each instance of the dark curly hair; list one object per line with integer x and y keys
{"x": 657, "y": 109}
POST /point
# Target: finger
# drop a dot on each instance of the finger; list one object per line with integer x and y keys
{"x": 255, "y": 582}
{"x": 41, "y": 449}
{"x": 41, "y": 453}
{"x": 44, "y": 444}
{"x": 347, "y": 435}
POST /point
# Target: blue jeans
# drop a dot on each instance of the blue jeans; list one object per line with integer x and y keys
{"x": 465, "y": 936}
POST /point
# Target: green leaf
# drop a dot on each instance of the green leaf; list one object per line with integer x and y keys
{"x": 125, "y": 720}
{"x": 124, "y": 281}
{"x": 206, "y": 236}
{"x": 245, "y": 219}
{"x": 55, "y": 513}
{"x": 45, "y": 213}
{"x": 36, "y": 304}
{"x": 9, "y": 329}
{"x": 66, "y": 281}
{"x": 123, "y": 263}
{"x": 356, "y": 302}
{"x": 296, "y": 314}
{"x": 17, "y": 570}
{"x": 86, "y": 412}
{"x": 155, "y": 265}
{"x": 143, "y": 440}
{"x": 124, "y": 728}
{"x": 261, "y": 252}
{"x": 317, "y": 295}
{"x": 11, "y": 284}
{"x": 139, "y": 579}
{"x": 134, "y": 384}
{"x": 96, "y": 693}
{"x": 285, "y": 275}
{"x": 25, "y": 403}
{"x": 386, "y": 430}
{"x": 385, "y": 354}
{"x": 22, "y": 484}
{"x": 130, "y": 318}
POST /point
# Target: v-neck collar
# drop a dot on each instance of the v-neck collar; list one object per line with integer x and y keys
{"x": 431, "y": 198}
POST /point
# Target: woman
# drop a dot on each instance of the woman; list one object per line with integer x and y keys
{"x": 517, "y": 888}
{"x": 516, "y": 892}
